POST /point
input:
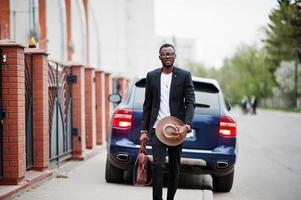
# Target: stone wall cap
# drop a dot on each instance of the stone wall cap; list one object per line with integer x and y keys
{"x": 120, "y": 77}
{"x": 35, "y": 51}
{"x": 10, "y": 43}
{"x": 90, "y": 68}
{"x": 76, "y": 65}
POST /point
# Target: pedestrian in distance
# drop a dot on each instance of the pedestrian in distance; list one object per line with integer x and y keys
{"x": 254, "y": 104}
{"x": 245, "y": 105}
{"x": 169, "y": 92}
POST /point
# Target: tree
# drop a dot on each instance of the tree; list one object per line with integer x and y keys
{"x": 283, "y": 34}
{"x": 285, "y": 78}
{"x": 244, "y": 74}
{"x": 197, "y": 69}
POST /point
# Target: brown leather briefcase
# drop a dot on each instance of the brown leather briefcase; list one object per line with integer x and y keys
{"x": 142, "y": 168}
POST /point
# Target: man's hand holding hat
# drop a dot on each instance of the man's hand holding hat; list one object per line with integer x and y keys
{"x": 181, "y": 131}
{"x": 171, "y": 131}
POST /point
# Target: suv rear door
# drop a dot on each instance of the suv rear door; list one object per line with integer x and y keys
{"x": 206, "y": 117}
{"x": 205, "y": 122}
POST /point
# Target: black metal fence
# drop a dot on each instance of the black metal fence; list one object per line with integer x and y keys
{"x": 60, "y": 104}
{"x": 28, "y": 110}
{"x": 1, "y": 116}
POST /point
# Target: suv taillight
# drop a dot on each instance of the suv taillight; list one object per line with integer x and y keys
{"x": 122, "y": 118}
{"x": 227, "y": 126}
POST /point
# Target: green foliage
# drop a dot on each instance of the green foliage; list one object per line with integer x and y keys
{"x": 283, "y": 34}
{"x": 244, "y": 74}
{"x": 251, "y": 70}
{"x": 197, "y": 69}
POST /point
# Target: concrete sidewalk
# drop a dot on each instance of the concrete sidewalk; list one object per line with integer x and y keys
{"x": 78, "y": 180}
{"x": 33, "y": 178}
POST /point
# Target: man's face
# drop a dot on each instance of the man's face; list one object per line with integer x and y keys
{"x": 167, "y": 56}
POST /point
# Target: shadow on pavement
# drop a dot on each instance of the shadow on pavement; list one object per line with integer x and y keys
{"x": 187, "y": 181}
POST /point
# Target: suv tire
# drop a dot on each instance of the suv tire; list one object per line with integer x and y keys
{"x": 223, "y": 183}
{"x": 113, "y": 174}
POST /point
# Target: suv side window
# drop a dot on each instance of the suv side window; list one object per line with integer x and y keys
{"x": 206, "y": 98}
{"x": 139, "y": 98}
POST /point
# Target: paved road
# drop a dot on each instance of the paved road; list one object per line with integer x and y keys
{"x": 268, "y": 168}
{"x": 269, "y": 161}
{"x": 85, "y": 181}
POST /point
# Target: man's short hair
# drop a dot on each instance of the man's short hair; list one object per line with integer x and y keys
{"x": 165, "y": 46}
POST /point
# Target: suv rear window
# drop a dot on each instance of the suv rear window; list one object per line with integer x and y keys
{"x": 206, "y": 97}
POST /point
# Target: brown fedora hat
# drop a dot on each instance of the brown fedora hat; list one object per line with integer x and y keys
{"x": 166, "y": 131}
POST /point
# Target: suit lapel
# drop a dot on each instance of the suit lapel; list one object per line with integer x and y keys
{"x": 158, "y": 83}
{"x": 173, "y": 81}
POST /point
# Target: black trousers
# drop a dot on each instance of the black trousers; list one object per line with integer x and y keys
{"x": 174, "y": 156}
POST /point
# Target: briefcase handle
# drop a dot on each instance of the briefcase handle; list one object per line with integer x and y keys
{"x": 142, "y": 147}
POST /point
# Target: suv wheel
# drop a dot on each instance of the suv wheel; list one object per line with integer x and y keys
{"x": 223, "y": 183}
{"x": 113, "y": 174}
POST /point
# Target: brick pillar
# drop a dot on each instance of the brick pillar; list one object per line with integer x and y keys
{"x": 108, "y": 89}
{"x": 90, "y": 108}
{"x": 100, "y": 106}
{"x": 13, "y": 91}
{"x": 4, "y": 19}
{"x": 40, "y": 108}
{"x": 121, "y": 85}
{"x": 78, "y": 113}
{"x": 124, "y": 85}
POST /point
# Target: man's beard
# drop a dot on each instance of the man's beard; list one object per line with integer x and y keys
{"x": 168, "y": 66}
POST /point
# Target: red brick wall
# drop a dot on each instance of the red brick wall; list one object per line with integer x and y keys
{"x": 90, "y": 108}
{"x": 122, "y": 82}
{"x": 108, "y": 91}
{"x": 78, "y": 112}
{"x": 40, "y": 108}
{"x": 100, "y": 107}
{"x": 14, "y": 162}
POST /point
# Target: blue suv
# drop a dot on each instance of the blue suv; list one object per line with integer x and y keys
{"x": 210, "y": 148}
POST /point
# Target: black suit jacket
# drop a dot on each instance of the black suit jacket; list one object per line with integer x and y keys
{"x": 181, "y": 97}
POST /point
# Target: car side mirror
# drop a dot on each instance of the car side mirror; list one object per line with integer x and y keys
{"x": 228, "y": 105}
{"x": 115, "y": 98}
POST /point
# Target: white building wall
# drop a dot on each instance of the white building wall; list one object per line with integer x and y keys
{"x": 141, "y": 50}
{"x": 21, "y": 18}
{"x": 94, "y": 51}
{"x": 127, "y": 40}
{"x": 56, "y": 30}
{"x": 110, "y": 16}
{"x": 78, "y": 32}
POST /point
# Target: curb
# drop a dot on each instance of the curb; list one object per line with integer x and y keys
{"x": 207, "y": 195}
